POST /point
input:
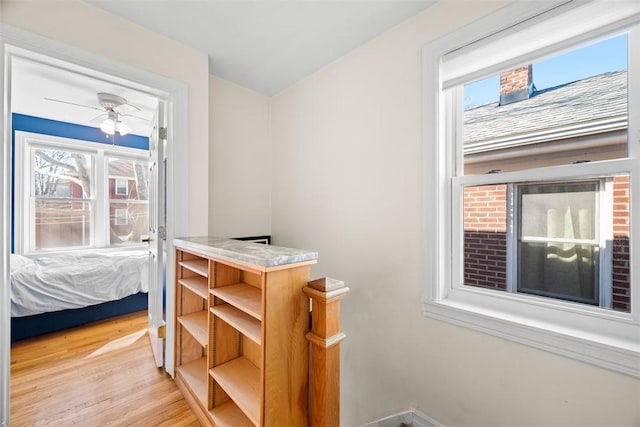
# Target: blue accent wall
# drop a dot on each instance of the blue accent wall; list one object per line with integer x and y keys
{"x": 70, "y": 130}
{"x": 21, "y": 122}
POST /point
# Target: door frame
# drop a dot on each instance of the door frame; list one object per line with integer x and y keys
{"x": 176, "y": 95}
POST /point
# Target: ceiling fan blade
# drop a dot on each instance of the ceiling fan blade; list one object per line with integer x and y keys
{"x": 73, "y": 103}
{"x": 98, "y": 118}
{"x": 126, "y": 108}
{"x": 134, "y": 116}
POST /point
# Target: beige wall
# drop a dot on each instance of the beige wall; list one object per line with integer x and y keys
{"x": 85, "y": 27}
{"x": 347, "y": 182}
{"x": 239, "y": 160}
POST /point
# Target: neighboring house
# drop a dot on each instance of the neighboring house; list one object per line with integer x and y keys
{"x": 65, "y": 218}
{"x": 585, "y": 120}
{"x": 128, "y": 199}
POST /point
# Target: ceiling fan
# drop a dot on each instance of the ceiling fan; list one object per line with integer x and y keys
{"x": 113, "y": 107}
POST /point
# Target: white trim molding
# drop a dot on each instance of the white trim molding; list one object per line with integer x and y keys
{"x": 598, "y": 336}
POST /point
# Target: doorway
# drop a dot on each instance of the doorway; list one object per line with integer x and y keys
{"x": 171, "y": 93}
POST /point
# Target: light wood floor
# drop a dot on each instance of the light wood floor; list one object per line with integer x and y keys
{"x": 97, "y": 375}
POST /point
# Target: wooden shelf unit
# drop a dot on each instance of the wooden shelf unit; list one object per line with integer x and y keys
{"x": 242, "y": 358}
{"x": 192, "y": 335}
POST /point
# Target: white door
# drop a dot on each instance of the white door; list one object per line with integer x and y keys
{"x": 157, "y": 234}
{"x": 5, "y": 307}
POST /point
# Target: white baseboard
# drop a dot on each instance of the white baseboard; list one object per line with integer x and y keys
{"x": 412, "y": 418}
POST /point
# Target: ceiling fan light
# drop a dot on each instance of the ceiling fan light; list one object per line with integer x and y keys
{"x": 108, "y": 126}
{"x": 123, "y": 128}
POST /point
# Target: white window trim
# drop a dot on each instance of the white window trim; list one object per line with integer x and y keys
{"x": 601, "y": 337}
{"x": 100, "y": 223}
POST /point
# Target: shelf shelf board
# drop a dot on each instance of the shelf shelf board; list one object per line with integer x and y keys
{"x": 194, "y": 375}
{"x": 197, "y": 285}
{"x": 240, "y": 379}
{"x": 242, "y": 296}
{"x": 247, "y": 325}
{"x": 199, "y": 266}
{"x": 196, "y": 325}
{"x": 229, "y": 415}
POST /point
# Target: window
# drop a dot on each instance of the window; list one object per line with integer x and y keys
{"x": 129, "y": 210}
{"x": 60, "y": 198}
{"x": 557, "y": 240}
{"x": 77, "y": 194}
{"x": 122, "y": 188}
{"x": 122, "y": 217}
{"x": 534, "y": 179}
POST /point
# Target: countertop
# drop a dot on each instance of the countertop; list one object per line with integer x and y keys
{"x": 256, "y": 254}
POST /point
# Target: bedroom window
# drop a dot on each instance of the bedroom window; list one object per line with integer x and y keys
{"x": 128, "y": 209}
{"x": 60, "y": 198}
{"x": 79, "y": 195}
{"x": 531, "y": 238}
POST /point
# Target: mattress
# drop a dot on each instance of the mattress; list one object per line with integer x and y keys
{"x": 60, "y": 282}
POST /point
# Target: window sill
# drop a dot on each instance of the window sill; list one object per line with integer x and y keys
{"x": 567, "y": 331}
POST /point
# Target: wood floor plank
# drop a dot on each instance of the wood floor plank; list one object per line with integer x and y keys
{"x": 101, "y": 374}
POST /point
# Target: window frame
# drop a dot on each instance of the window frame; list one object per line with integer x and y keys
{"x": 590, "y": 334}
{"x": 100, "y": 197}
{"x": 600, "y": 235}
{"x": 32, "y": 199}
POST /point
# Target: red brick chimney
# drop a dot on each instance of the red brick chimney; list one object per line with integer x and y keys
{"x": 516, "y": 84}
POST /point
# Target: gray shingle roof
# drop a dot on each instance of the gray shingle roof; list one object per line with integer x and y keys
{"x": 581, "y": 102}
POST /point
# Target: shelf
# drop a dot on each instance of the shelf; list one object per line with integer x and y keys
{"x": 196, "y": 324}
{"x": 200, "y": 266}
{"x": 247, "y": 325}
{"x": 229, "y": 415}
{"x": 197, "y": 285}
{"x": 194, "y": 376}
{"x": 242, "y": 296}
{"x": 240, "y": 379}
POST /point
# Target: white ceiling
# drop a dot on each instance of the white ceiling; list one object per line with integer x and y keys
{"x": 267, "y": 45}
{"x": 34, "y": 78}
{"x": 264, "y": 45}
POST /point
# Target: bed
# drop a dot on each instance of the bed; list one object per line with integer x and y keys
{"x": 50, "y": 293}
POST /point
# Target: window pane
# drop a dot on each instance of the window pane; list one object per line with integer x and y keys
{"x": 559, "y": 270}
{"x": 554, "y": 218}
{"x": 122, "y": 187}
{"x": 560, "y": 211}
{"x": 128, "y": 179}
{"x": 61, "y": 173}
{"x": 561, "y": 110}
{"x": 128, "y": 201}
{"x": 62, "y": 224}
{"x": 128, "y": 221}
{"x": 485, "y": 236}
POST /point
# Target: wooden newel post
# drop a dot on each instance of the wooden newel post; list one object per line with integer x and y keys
{"x": 324, "y": 355}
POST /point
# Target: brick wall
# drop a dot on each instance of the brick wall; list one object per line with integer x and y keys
{"x": 485, "y": 239}
{"x": 621, "y": 265}
{"x": 485, "y": 236}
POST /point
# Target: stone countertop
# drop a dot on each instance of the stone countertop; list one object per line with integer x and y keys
{"x": 257, "y": 254}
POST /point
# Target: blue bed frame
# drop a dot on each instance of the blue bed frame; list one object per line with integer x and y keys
{"x": 44, "y": 323}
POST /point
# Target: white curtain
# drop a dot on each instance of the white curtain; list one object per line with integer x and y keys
{"x": 568, "y": 267}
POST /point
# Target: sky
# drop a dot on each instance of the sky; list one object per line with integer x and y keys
{"x": 598, "y": 58}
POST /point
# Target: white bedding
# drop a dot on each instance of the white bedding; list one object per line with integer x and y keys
{"x": 52, "y": 283}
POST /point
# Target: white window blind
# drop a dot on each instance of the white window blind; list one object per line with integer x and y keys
{"x": 543, "y": 32}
